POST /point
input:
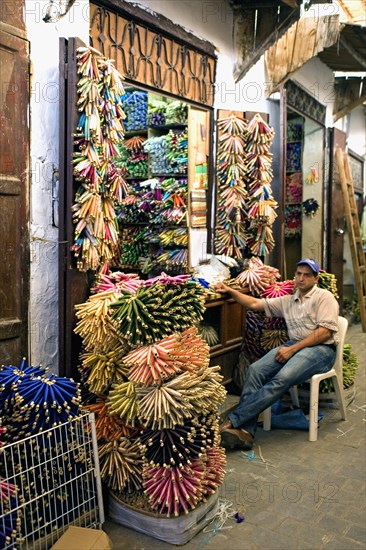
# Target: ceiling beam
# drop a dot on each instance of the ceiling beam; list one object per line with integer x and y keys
{"x": 308, "y": 37}
{"x": 255, "y": 30}
{"x": 347, "y": 46}
{"x": 292, "y": 3}
{"x": 349, "y": 93}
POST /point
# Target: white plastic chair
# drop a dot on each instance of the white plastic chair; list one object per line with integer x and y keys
{"x": 336, "y": 372}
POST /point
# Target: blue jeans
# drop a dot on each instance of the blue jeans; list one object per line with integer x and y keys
{"x": 267, "y": 380}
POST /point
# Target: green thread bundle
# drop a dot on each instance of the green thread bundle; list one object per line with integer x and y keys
{"x": 155, "y": 312}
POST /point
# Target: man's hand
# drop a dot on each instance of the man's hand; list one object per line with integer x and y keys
{"x": 222, "y": 288}
{"x": 284, "y": 354}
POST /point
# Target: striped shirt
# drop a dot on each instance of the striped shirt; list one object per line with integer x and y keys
{"x": 318, "y": 308}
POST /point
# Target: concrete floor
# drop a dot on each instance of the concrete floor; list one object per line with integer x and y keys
{"x": 304, "y": 496}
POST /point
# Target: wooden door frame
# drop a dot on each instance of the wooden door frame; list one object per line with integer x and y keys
{"x": 14, "y": 185}
{"x": 336, "y": 213}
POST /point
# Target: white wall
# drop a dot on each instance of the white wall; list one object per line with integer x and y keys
{"x": 213, "y": 21}
{"x": 357, "y": 133}
{"x": 44, "y": 110}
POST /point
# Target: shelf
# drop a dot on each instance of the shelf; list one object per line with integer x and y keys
{"x": 178, "y": 125}
{"x": 131, "y": 133}
{"x": 172, "y": 175}
{"x": 182, "y": 171}
{"x": 226, "y": 349}
{"x": 128, "y": 224}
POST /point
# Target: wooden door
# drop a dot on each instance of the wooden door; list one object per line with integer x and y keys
{"x": 73, "y": 284}
{"x": 336, "y": 213}
{"x": 14, "y": 189}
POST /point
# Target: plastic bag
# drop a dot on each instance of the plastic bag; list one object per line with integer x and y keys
{"x": 293, "y": 419}
{"x": 213, "y": 272}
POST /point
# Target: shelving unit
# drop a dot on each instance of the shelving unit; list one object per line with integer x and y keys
{"x": 294, "y": 191}
{"x": 228, "y": 318}
{"x": 160, "y": 200}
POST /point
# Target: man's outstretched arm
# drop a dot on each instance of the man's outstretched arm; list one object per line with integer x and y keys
{"x": 244, "y": 299}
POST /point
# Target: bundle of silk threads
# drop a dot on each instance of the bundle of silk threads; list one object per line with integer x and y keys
{"x": 159, "y": 398}
{"x": 101, "y": 183}
{"x": 245, "y": 205}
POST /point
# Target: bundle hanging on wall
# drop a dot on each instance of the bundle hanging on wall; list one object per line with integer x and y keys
{"x": 245, "y": 205}
{"x": 99, "y": 130}
{"x": 232, "y": 193}
{"x": 310, "y": 207}
{"x": 261, "y": 205}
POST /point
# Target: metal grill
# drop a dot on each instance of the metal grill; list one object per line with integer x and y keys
{"x": 57, "y": 484}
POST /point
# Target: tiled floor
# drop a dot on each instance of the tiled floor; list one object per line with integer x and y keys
{"x": 301, "y": 495}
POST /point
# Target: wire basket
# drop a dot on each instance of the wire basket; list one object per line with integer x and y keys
{"x": 52, "y": 481}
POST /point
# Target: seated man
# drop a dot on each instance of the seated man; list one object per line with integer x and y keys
{"x": 311, "y": 315}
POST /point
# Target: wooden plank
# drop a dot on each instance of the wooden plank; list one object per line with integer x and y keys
{"x": 160, "y": 23}
{"x": 14, "y": 192}
{"x": 73, "y": 284}
{"x": 280, "y": 21}
{"x": 224, "y": 113}
{"x": 349, "y": 93}
{"x": 353, "y": 227}
{"x": 355, "y": 218}
{"x": 298, "y": 45}
{"x": 335, "y": 212}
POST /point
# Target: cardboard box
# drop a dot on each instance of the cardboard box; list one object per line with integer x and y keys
{"x": 80, "y": 538}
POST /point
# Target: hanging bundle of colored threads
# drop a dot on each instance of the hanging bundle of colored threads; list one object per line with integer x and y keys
{"x": 99, "y": 131}
{"x": 10, "y": 376}
{"x": 253, "y": 329}
{"x": 121, "y": 464}
{"x": 312, "y": 177}
{"x": 261, "y": 204}
{"x": 209, "y": 334}
{"x": 232, "y": 193}
{"x": 114, "y": 280}
{"x": 156, "y": 362}
{"x": 103, "y": 368}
